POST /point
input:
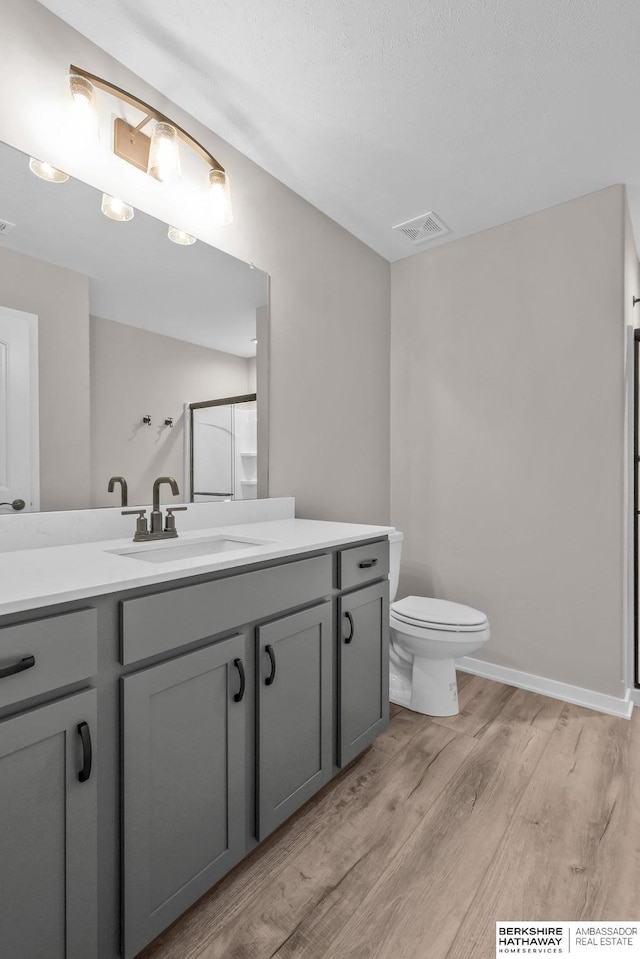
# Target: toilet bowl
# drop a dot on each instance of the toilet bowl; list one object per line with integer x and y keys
{"x": 426, "y": 637}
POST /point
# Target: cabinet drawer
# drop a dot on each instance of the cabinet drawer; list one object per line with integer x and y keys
{"x": 167, "y": 621}
{"x": 360, "y": 564}
{"x": 64, "y": 650}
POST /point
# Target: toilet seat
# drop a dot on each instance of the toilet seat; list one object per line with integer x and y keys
{"x": 422, "y": 612}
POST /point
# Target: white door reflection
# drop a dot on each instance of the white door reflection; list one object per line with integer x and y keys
{"x": 222, "y": 453}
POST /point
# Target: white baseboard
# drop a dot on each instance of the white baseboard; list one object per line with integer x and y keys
{"x": 601, "y": 702}
{"x": 634, "y": 696}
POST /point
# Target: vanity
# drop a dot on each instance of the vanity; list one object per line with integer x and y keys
{"x": 164, "y": 706}
{"x": 166, "y": 717}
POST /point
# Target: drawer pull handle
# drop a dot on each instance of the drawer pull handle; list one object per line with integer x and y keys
{"x": 272, "y": 658}
{"x": 87, "y": 757}
{"x": 238, "y": 697}
{"x": 367, "y": 563}
{"x": 348, "y": 638}
{"x": 25, "y": 663}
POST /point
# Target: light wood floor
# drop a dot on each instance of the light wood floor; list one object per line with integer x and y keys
{"x": 521, "y": 807}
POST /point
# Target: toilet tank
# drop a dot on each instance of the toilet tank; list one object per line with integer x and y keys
{"x": 395, "y": 549}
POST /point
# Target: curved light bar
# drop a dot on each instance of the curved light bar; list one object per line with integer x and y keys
{"x": 143, "y": 152}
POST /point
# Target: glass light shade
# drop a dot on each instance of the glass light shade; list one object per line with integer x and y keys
{"x": 116, "y": 209}
{"x": 220, "y": 197}
{"x": 47, "y": 172}
{"x": 164, "y": 155}
{"x": 82, "y": 121}
{"x": 180, "y": 237}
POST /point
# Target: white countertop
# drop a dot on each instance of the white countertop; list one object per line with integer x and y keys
{"x": 32, "y": 578}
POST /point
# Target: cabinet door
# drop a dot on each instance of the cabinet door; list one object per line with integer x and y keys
{"x": 183, "y": 783}
{"x": 48, "y": 832}
{"x": 363, "y": 661}
{"x": 294, "y": 713}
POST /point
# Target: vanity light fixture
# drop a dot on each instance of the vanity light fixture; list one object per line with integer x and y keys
{"x": 180, "y": 237}
{"x": 157, "y": 155}
{"x": 116, "y": 209}
{"x": 220, "y": 197}
{"x": 164, "y": 155}
{"x": 82, "y": 114}
{"x": 47, "y": 172}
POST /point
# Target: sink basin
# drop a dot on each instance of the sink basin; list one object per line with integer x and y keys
{"x": 171, "y": 551}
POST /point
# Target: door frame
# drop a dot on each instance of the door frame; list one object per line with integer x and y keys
{"x": 31, "y": 320}
{"x": 636, "y": 498}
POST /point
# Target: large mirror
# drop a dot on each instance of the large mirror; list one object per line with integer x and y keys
{"x": 108, "y": 331}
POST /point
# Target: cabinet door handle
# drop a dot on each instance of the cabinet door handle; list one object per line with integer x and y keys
{"x": 85, "y": 736}
{"x": 348, "y": 638}
{"x": 367, "y": 563}
{"x": 25, "y": 663}
{"x": 272, "y": 658}
{"x": 240, "y": 694}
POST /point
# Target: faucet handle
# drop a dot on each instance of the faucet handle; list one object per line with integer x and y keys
{"x": 170, "y": 520}
{"x": 141, "y": 522}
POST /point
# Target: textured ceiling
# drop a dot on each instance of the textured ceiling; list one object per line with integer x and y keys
{"x": 377, "y": 111}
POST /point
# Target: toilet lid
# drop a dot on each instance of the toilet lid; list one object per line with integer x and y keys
{"x": 438, "y": 613}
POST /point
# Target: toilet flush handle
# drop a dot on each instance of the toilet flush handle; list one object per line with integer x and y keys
{"x": 349, "y": 618}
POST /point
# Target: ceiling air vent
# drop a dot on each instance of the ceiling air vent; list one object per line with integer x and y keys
{"x": 423, "y": 228}
{"x": 5, "y": 227}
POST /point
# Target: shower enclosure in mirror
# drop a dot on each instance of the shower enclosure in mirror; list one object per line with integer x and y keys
{"x": 124, "y": 328}
{"x": 223, "y": 449}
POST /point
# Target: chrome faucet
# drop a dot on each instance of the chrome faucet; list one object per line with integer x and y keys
{"x": 123, "y": 489}
{"x": 142, "y": 533}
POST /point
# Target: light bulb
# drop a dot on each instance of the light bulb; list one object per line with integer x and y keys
{"x": 164, "y": 155}
{"x": 116, "y": 209}
{"x": 81, "y": 125}
{"x": 220, "y": 197}
{"x": 47, "y": 172}
{"x": 180, "y": 237}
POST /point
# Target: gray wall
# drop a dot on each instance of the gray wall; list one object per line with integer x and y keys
{"x": 134, "y": 372}
{"x": 60, "y": 299}
{"x": 507, "y": 412}
{"x": 329, "y": 340}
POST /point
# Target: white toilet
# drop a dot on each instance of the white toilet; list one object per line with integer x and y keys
{"x": 427, "y": 636}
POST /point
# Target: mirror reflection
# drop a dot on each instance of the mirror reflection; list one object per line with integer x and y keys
{"x": 108, "y": 333}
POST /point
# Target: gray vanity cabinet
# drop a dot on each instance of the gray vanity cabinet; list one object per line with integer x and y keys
{"x": 363, "y": 669}
{"x": 48, "y": 854}
{"x": 183, "y": 784}
{"x": 294, "y": 713}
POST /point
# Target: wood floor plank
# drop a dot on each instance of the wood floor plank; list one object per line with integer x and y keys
{"x": 480, "y": 701}
{"x": 571, "y": 851}
{"x": 349, "y": 855}
{"x": 614, "y": 890}
{"x": 420, "y": 899}
{"x": 527, "y": 707}
{"x": 403, "y": 726}
{"x": 462, "y": 678}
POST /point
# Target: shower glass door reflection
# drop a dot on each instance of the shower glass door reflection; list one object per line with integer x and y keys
{"x": 223, "y": 449}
